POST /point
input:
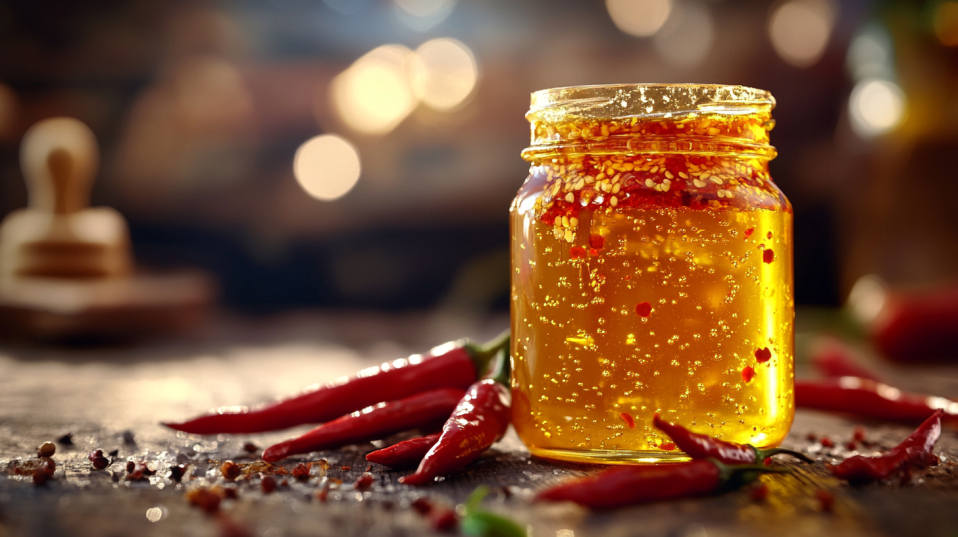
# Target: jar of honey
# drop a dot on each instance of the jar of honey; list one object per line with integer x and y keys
{"x": 651, "y": 273}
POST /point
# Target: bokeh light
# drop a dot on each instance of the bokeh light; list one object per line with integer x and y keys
{"x": 876, "y": 107}
{"x": 946, "y": 23}
{"x": 374, "y": 94}
{"x": 687, "y": 36}
{"x": 326, "y": 166}
{"x": 424, "y": 14}
{"x": 800, "y": 29}
{"x": 445, "y": 73}
{"x": 639, "y": 17}
{"x": 870, "y": 54}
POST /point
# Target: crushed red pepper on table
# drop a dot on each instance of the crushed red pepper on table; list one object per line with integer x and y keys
{"x": 634, "y": 485}
{"x": 478, "y": 421}
{"x": 700, "y": 446}
{"x": 456, "y": 367}
{"x": 915, "y": 452}
{"x": 866, "y": 398}
{"x": 406, "y": 453}
{"x": 379, "y": 421}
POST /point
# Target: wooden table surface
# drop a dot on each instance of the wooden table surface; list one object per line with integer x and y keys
{"x": 98, "y": 394}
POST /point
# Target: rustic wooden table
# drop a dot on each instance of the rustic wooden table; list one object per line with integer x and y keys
{"x": 113, "y": 398}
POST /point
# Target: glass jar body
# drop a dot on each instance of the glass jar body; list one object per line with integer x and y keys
{"x": 644, "y": 283}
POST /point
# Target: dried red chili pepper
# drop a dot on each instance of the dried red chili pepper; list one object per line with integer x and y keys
{"x": 833, "y": 358}
{"x": 371, "y": 423}
{"x": 862, "y": 397}
{"x": 917, "y": 327}
{"x": 700, "y": 446}
{"x": 633, "y": 485}
{"x": 914, "y": 452}
{"x": 406, "y": 453}
{"x": 457, "y": 367}
{"x": 479, "y": 420}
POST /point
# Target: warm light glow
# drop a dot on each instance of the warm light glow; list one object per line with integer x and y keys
{"x": 687, "y": 36}
{"x": 374, "y": 95}
{"x": 424, "y": 14}
{"x": 639, "y": 17}
{"x": 946, "y": 23}
{"x": 876, "y": 106}
{"x": 799, "y": 30}
{"x": 870, "y": 54}
{"x": 326, "y": 166}
{"x": 867, "y": 298}
{"x": 210, "y": 93}
{"x": 8, "y": 107}
{"x": 445, "y": 73}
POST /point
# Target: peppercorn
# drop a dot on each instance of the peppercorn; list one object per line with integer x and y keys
{"x": 364, "y": 482}
{"x": 267, "y": 484}
{"x": 177, "y": 472}
{"x": 99, "y": 461}
{"x": 47, "y": 449}
{"x": 250, "y": 447}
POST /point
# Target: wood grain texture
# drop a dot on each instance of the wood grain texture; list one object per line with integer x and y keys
{"x": 99, "y": 394}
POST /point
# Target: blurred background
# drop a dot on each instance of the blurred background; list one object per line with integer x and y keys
{"x": 362, "y": 154}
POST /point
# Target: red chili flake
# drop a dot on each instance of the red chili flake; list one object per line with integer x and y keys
{"x": 230, "y": 470}
{"x": 228, "y": 493}
{"x": 301, "y": 471}
{"x": 267, "y": 484}
{"x": 825, "y": 500}
{"x": 858, "y": 433}
{"x": 749, "y": 231}
{"x": 667, "y": 446}
{"x": 284, "y": 484}
{"x": 323, "y": 494}
{"x": 250, "y": 447}
{"x": 423, "y": 506}
{"x": 768, "y": 256}
{"x": 629, "y": 420}
{"x": 130, "y": 466}
{"x": 827, "y": 442}
{"x": 851, "y": 446}
{"x": 760, "y": 493}
{"x": 644, "y": 309}
{"x": 763, "y": 355}
{"x": 205, "y": 499}
{"x": 748, "y": 373}
{"x": 140, "y": 471}
{"x": 346, "y": 468}
{"x": 443, "y": 520}
{"x": 596, "y": 241}
{"x": 577, "y": 252}
{"x": 932, "y": 460}
{"x": 811, "y": 437}
{"x": 767, "y": 461}
{"x": 593, "y": 251}
{"x": 364, "y": 482}
{"x": 369, "y": 468}
{"x": 769, "y": 234}
{"x": 44, "y": 472}
{"x": 279, "y": 470}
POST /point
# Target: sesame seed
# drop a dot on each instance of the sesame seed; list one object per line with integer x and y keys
{"x": 615, "y": 188}
{"x": 697, "y": 183}
{"x": 573, "y": 222}
{"x": 669, "y": 174}
{"x": 568, "y": 235}
{"x": 569, "y": 197}
{"x": 716, "y": 179}
{"x": 713, "y": 131}
{"x": 613, "y": 202}
{"x": 649, "y": 183}
{"x": 683, "y": 175}
{"x": 565, "y": 221}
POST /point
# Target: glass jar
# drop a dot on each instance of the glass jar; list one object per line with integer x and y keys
{"x": 651, "y": 273}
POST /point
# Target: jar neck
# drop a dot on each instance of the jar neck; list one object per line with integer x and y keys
{"x": 654, "y": 119}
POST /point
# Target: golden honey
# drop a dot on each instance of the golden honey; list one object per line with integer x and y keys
{"x": 651, "y": 273}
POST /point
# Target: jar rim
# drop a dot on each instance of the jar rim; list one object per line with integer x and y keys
{"x": 648, "y": 100}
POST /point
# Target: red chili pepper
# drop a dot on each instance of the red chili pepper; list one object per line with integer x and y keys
{"x": 917, "y": 327}
{"x": 480, "y": 419}
{"x": 870, "y": 399}
{"x": 632, "y": 485}
{"x": 371, "y": 423}
{"x": 914, "y": 451}
{"x": 700, "y": 446}
{"x": 455, "y": 368}
{"x": 833, "y": 358}
{"x": 404, "y": 454}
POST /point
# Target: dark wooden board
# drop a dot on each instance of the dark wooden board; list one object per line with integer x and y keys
{"x": 98, "y": 394}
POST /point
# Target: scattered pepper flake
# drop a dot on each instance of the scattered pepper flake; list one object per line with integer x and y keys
{"x": 759, "y": 494}
{"x": 301, "y": 471}
{"x": 577, "y": 252}
{"x": 769, "y": 234}
{"x": 47, "y": 449}
{"x": 323, "y": 494}
{"x": 346, "y": 468}
{"x": 858, "y": 433}
{"x": 768, "y": 255}
{"x": 827, "y": 442}
{"x": 66, "y": 440}
{"x": 44, "y": 472}
{"x": 423, "y": 506}
{"x": 250, "y": 447}
{"x": 749, "y": 231}
{"x": 364, "y": 482}
{"x": 644, "y": 309}
{"x": 763, "y": 355}
{"x": 667, "y": 446}
{"x": 443, "y": 520}
{"x": 629, "y": 420}
{"x": 267, "y": 484}
{"x": 826, "y": 501}
{"x": 205, "y": 499}
{"x": 230, "y": 470}
{"x": 748, "y": 374}
{"x": 139, "y": 472}
{"x": 177, "y": 472}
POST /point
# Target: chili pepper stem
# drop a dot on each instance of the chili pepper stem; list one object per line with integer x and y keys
{"x": 762, "y": 454}
{"x": 485, "y": 354}
{"x": 732, "y": 476}
{"x": 502, "y": 367}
